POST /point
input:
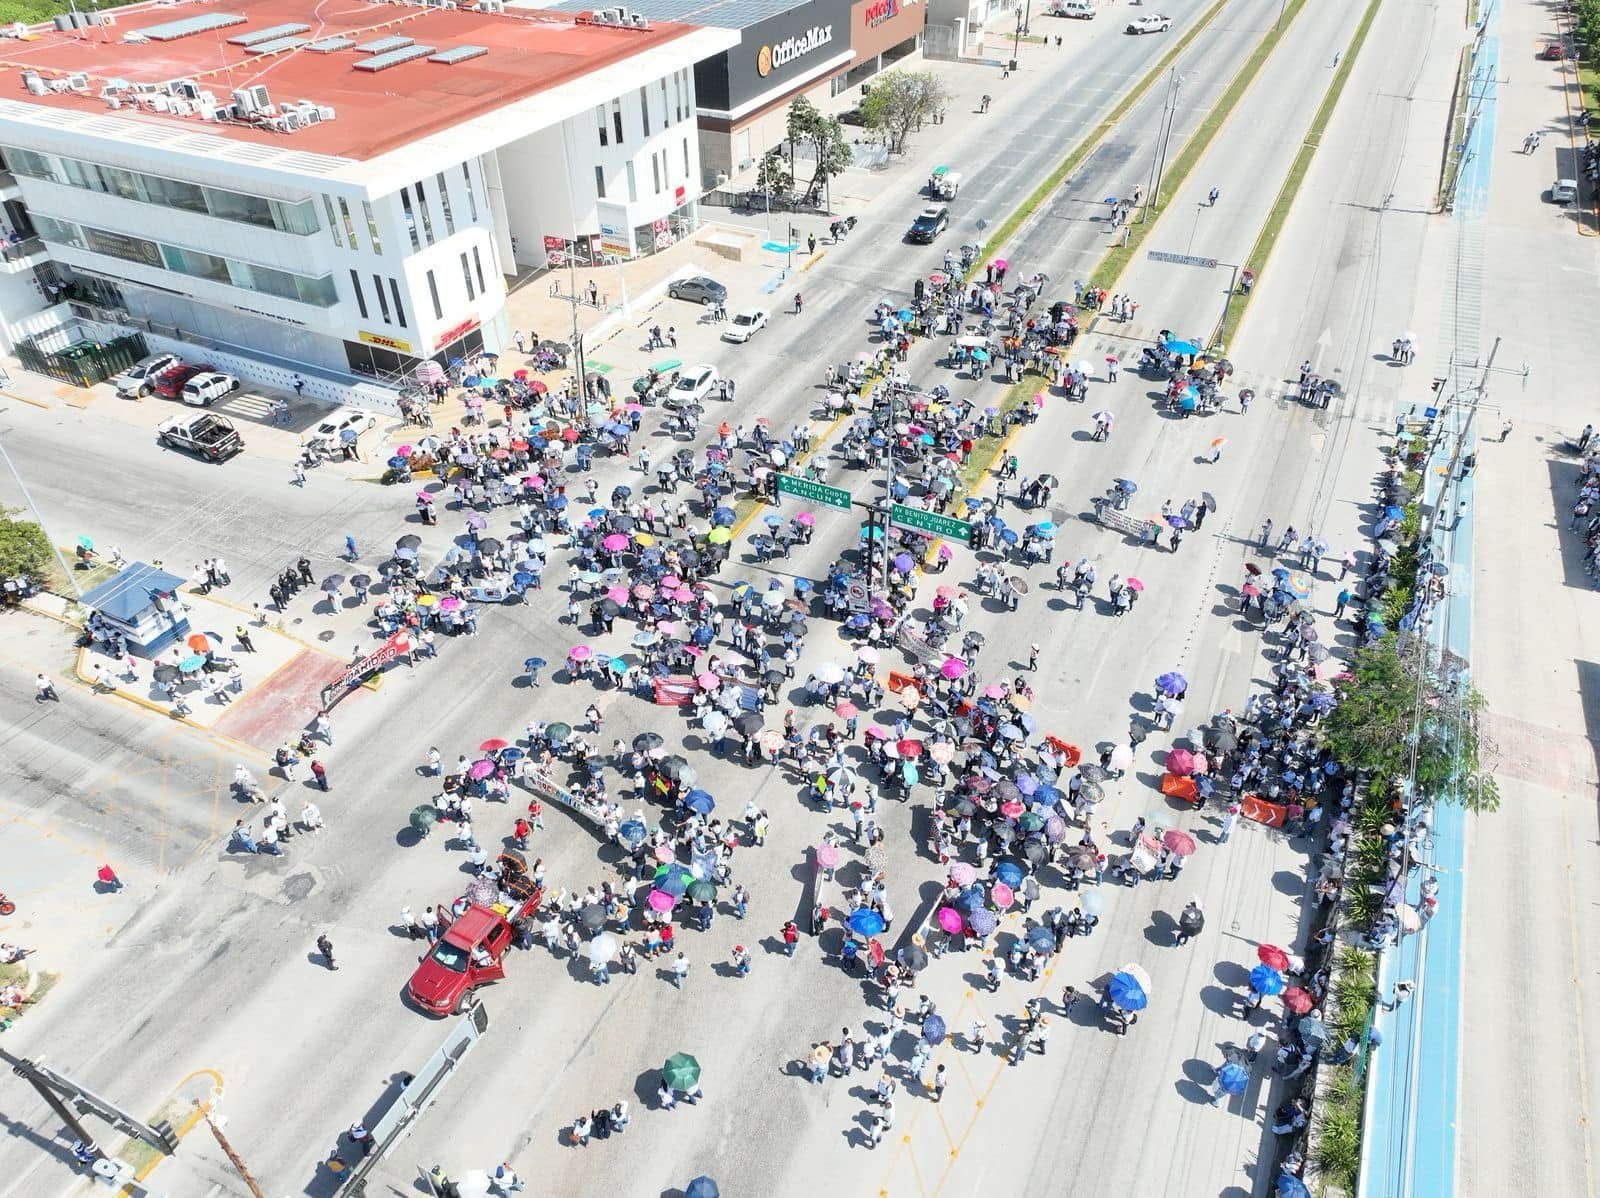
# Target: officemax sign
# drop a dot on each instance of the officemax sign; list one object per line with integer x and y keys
{"x": 792, "y": 49}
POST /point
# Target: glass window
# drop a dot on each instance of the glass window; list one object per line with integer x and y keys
{"x": 399, "y": 308}
{"x": 666, "y": 109}
{"x": 616, "y": 119}
{"x": 174, "y": 194}
{"x": 477, "y": 265}
{"x": 427, "y": 216}
{"x": 333, "y": 224}
{"x": 472, "y": 196}
{"x": 444, "y": 203}
{"x": 361, "y": 300}
{"x": 644, "y": 109}
{"x": 633, "y": 191}
{"x": 411, "y": 218}
{"x": 686, "y": 158}
{"x": 299, "y": 216}
{"x": 600, "y": 121}
{"x": 319, "y": 292}
{"x": 372, "y": 227}
{"x": 466, "y": 273}
{"x": 26, "y": 162}
{"x": 251, "y": 210}
{"x": 349, "y": 225}
{"x": 197, "y": 263}
{"x": 655, "y": 171}
{"x": 383, "y": 300}
{"x": 600, "y": 181}
{"x": 433, "y": 294}
{"x": 59, "y": 231}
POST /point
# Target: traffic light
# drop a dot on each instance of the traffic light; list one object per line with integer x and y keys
{"x": 974, "y": 535}
{"x": 168, "y": 1137}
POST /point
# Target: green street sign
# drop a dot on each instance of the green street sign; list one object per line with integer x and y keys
{"x": 932, "y": 522}
{"x": 804, "y": 488}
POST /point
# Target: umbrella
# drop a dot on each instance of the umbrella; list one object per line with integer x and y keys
{"x": 1181, "y": 347}
{"x": 1178, "y": 841}
{"x": 702, "y": 1187}
{"x": 679, "y": 770}
{"x": 593, "y": 917}
{"x": 1267, "y": 981}
{"x": 1191, "y": 921}
{"x": 1082, "y": 856}
{"x": 1233, "y": 1078}
{"x": 681, "y": 1071}
{"x": 191, "y": 663}
{"x": 699, "y": 802}
{"x": 933, "y": 1029}
{"x": 963, "y": 874}
{"x": 410, "y": 541}
{"x": 1002, "y": 895}
{"x": 648, "y": 742}
{"x": 864, "y": 921}
{"x": 1041, "y": 939}
{"x": 332, "y": 583}
{"x": 1180, "y": 762}
{"x": 661, "y": 901}
{"x": 604, "y": 946}
{"x": 983, "y": 921}
{"x": 1313, "y": 1031}
{"x": 702, "y": 891}
{"x": 1133, "y": 584}
{"x": 827, "y": 855}
{"x": 493, "y": 745}
{"x": 424, "y": 817}
{"x": 1009, "y": 873}
{"x": 1093, "y": 902}
{"x": 558, "y": 730}
{"x": 749, "y": 723}
{"x": 1172, "y": 683}
{"x": 1126, "y": 992}
{"x": 1209, "y": 500}
{"x": 632, "y": 831}
{"x": 480, "y": 769}
{"x": 1272, "y": 957}
{"x": 950, "y": 919}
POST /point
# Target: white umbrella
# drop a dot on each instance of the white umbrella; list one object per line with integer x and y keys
{"x": 602, "y": 948}
{"x": 867, "y": 654}
{"x": 828, "y": 673}
{"x": 714, "y": 722}
{"x": 1122, "y": 758}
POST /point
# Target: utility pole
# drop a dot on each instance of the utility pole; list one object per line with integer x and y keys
{"x": 72, "y": 578}
{"x": 227, "y": 1150}
{"x": 53, "y": 1086}
{"x": 1158, "y": 153}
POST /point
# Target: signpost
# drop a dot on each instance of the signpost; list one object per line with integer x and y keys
{"x": 804, "y": 488}
{"x": 1181, "y": 259}
{"x": 1204, "y": 264}
{"x": 929, "y": 522}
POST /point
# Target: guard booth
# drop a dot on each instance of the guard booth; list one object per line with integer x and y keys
{"x": 142, "y": 603}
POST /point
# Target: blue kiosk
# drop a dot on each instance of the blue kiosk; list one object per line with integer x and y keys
{"x": 141, "y": 603}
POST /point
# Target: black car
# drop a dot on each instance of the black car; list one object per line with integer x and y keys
{"x": 699, "y": 289}
{"x": 928, "y": 225}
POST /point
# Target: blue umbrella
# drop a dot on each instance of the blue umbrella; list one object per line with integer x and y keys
{"x": 1266, "y": 981}
{"x": 510, "y": 754}
{"x": 1046, "y": 530}
{"x": 521, "y": 578}
{"x": 723, "y": 515}
{"x": 702, "y": 1187}
{"x": 1126, "y": 485}
{"x": 905, "y": 314}
{"x": 633, "y": 832}
{"x": 1290, "y": 1186}
{"x": 1010, "y": 873}
{"x": 1126, "y": 992}
{"x": 1181, "y": 347}
{"x": 983, "y": 921}
{"x": 596, "y": 513}
{"x": 191, "y": 663}
{"x": 1027, "y": 784}
{"x": 556, "y": 503}
{"x": 972, "y": 503}
{"x": 699, "y": 802}
{"x": 933, "y": 1029}
{"x": 533, "y": 663}
{"x": 397, "y": 461}
{"x": 1171, "y": 683}
{"x": 1009, "y": 536}
{"x": 864, "y": 921}
{"x": 1233, "y": 1078}
{"x": 970, "y": 899}
{"x": 674, "y": 882}
{"x": 1041, "y": 939}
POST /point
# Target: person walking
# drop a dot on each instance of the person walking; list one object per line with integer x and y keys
{"x": 680, "y": 970}
{"x": 243, "y": 637}
{"x": 504, "y": 1179}
{"x": 325, "y": 947}
{"x": 940, "y": 1081}
{"x": 320, "y": 773}
{"x": 44, "y": 689}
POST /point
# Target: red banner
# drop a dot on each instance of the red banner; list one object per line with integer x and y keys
{"x": 363, "y": 668}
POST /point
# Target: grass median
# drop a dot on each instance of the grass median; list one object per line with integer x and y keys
{"x": 1272, "y": 228}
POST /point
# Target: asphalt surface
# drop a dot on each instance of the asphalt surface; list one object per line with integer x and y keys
{"x": 213, "y": 970}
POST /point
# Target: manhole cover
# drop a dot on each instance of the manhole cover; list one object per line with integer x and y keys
{"x": 325, "y": 635}
{"x": 297, "y": 886}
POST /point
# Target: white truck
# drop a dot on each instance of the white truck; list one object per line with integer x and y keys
{"x": 204, "y": 434}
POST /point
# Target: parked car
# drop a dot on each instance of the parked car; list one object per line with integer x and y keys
{"x": 139, "y": 378}
{"x": 929, "y": 224}
{"x": 169, "y": 383}
{"x": 204, "y": 389}
{"x": 1082, "y": 10}
{"x": 330, "y": 431}
{"x": 699, "y": 289}
{"x": 1153, "y": 23}
{"x": 693, "y": 385}
{"x": 745, "y": 325}
{"x": 1553, "y": 52}
{"x": 467, "y": 956}
{"x": 210, "y": 436}
{"x": 1563, "y": 191}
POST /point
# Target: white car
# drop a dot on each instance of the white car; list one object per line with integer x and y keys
{"x": 745, "y": 325}
{"x": 329, "y": 431}
{"x": 141, "y": 376}
{"x": 693, "y": 385}
{"x": 1153, "y": 23}
{"x": 203, "y": 389}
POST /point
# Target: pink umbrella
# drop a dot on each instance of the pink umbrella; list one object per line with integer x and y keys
{"x": 845, "y": 710}
{"x": 945, "y": 592}
{"x": 667, "y": 628}
{"x": 403, "y": 451}
{"x": 449, "y": 603}
{"x": 683, "y": 595}
{"x": 1180, "y": 762}
{"x": 641, "y": 591}
{"x": 660, "y": 900}
{"x": 616, "y": 543}
{"x": 827, "y": 856}
{"x": 480, "y": 769}
{"x": 1134, "y": 584}
{"x": 909, "y": 748}
{"x": 952, "y": 668}
{"x": 617, "y": 594}
{"x": 950, "y": 919}
{"x": 1011, "y": 809}
{"x": 580, "y": 653}
{"x": 876, "y": 733}
{"x": 994, "y": 691}
{"x": 533, "y": 480}
{"x": 664, "y": 853}
{"x": 806, "y": 518}
{"x": 708, "y": 681}
{"x": 942, "y": 751}
{"x": 963, "y": 874}
{"x": 670, "y": 582}
{"x": 1001, "y": 894}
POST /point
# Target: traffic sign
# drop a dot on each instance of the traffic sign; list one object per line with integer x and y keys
{"x": 1181, "y": 259}
{"x": 931, "y": 522}
{"x": 804, "y": 488}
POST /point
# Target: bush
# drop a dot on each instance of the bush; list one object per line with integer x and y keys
{"x": 24, "y": 549}
{"x": 1339, "y": 1130}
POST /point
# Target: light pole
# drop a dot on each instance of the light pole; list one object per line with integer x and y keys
{"x": 1158, "y": 154}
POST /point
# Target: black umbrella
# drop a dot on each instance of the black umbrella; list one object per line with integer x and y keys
{"x": 913, "y": 957}
{"x": 774, "y": 677}
{"x": 1090, "y": 772}
{"x": 488, "y": 545}
{"x": 1209, "y": 500}
{"x": 677, "y": 769}
{"x": 410, "y": 541}
{"x": 1035, "y": 852}
{"x": 965, "y": 807}
{"x": 166, "y": 674}
{"x": 648, "y": 742}
{"x": 361, "y": 580}
{"x": 332, "y": 582}
{"x": 610, "y": 607}
{"x": 622, "y": 523}
{"x": 592, "y": 917}
{"x": 749, "y": 723}
{"x": 1048, "y": 480}
{"x": 1082, "y": 856}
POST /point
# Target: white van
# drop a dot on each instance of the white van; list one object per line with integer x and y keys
{"x": 1082, "y": 9}
{"x": 201, "y": 390}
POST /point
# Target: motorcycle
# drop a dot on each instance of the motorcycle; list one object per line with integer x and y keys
{"x": 7, "y": 907}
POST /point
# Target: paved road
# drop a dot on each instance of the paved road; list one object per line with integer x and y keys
{"x": 234, "y": 966}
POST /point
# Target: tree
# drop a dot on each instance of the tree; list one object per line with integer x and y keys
{"x": 774, "y": 176}
{"x": 1375, "y": 726}
{"x": 24, "y": 549}
{"x": 824, "y": 137}
{"x": 899, "y": 101}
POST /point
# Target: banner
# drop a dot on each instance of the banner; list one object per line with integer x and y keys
{"x": 364, "y": 667}
{"x": 1256, "y": 808}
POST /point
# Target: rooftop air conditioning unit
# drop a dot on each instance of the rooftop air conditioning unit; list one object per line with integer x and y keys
{"x": 325, "y": 111}
{"x": 252, "y": 99}
{"x": 207, "y": 112}
{"x": 112, "y": 101}
{"x": 187, "y": 88}
{"x": 146, "y": 88}
{"x": 640, "y": 21}
{"x": 288, "y": 121}
{"x": 308, "y": 113}
{"x": 35, "y": 85}
{"x": 78, "y": 81}
{"x": 17, "y": 29}
{"x": 180, "y": 106}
